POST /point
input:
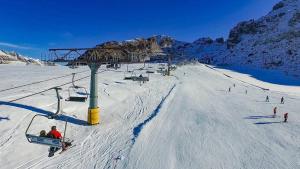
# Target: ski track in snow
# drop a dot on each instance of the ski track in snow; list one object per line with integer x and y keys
{"x": 139, "y": 127}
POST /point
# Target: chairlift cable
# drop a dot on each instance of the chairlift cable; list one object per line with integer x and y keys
{"x": 43, "y": 91}
{"x": 29, "y": 84}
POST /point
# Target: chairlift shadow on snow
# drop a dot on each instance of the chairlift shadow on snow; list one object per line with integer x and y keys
{"x": 60, "y": 117}
{"x": 4, "y": 118}
{"x": 119, "y": 82}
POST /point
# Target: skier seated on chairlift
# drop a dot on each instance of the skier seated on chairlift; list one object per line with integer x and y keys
{"x": 57, "y": 135}
{"x": 43, "y": 133}
{"x": 141, "y": 78}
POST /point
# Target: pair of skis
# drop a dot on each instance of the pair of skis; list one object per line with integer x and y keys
{"x": 53, "y": 150}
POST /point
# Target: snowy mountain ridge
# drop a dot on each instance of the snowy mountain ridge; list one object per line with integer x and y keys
{"x": 270, "y": 42}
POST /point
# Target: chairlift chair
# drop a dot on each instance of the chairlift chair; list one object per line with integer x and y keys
{"x": 36, "y": 139}
{"x": 77, "y": 93}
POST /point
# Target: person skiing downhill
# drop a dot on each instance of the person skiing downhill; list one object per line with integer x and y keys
{"x": 274, "y": 111}
{"x": 285, "y": 116}
{"x": 282, "y": 100}
{"x": 229, "y": 89}
{"x": 267, "y": 99}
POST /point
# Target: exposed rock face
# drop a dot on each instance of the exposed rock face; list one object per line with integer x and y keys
{"x": 248, "y": 27}
{"x": 220, "y": 40}
{"x": 136, "y": 50}
{"x": 278, "y": 6}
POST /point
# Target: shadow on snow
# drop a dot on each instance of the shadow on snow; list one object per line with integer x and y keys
{"x": 4, "y": 118}
{"x": 259, "y": 117}
{"x": 263, "y": 123}
{"x": 270, "y": 76}
{"x": 60, "y": 117}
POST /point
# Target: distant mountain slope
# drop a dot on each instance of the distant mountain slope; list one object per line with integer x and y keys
{"x": 270, "y": 42}
{"x": 7, "y": 57}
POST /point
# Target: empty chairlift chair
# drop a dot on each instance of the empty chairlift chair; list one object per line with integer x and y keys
{"x": 77, "y": 93}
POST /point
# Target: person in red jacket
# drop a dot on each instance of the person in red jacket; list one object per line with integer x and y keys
{"x": 54, "y": 133}
{"x": 57, "y": 135}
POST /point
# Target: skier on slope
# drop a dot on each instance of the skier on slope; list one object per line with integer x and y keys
{"x": 285, "y": 116}
{"x": 229, "y": 89}
{"x": 274, "y": 111}
{"x": 282, "y": 100}
{"x": 267, "y": 99}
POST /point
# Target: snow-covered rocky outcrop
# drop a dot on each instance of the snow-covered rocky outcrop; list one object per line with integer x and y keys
{"x": 270, "y": 42}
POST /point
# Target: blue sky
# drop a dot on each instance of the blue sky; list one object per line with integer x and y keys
{"x": 32, "y": 26}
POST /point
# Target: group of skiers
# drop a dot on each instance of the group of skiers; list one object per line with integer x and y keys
{"x": 285, "y": 115}
{"x": 281, "y": 100}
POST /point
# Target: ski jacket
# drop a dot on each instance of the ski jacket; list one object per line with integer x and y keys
{"x": 56, "y": 134}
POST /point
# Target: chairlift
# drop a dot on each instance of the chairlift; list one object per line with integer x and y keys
{"x": 36, "y": 139}
{"x": 77, "y": 93}
{"x": 141, "y": 78}
{"x": 127, "y": 76}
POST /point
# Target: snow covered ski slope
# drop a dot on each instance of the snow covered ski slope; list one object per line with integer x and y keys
{"x": 188, "y": 120}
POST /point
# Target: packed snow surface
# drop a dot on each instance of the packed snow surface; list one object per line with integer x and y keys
{"x": 187, "y": 120}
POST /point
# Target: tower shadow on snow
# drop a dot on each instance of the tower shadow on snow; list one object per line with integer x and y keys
{"x": 60, "y": 117}
{"x": 4, "y": 118}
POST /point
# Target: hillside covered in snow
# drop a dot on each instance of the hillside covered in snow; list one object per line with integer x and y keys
{"x": 185, "y": 121}
{"x": 271, "y": 42}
